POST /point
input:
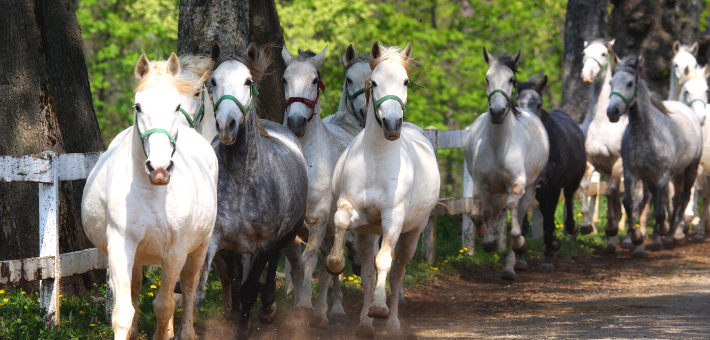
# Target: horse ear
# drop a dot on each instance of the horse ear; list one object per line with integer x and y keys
{"x": 407, "y": 52}
{"x": 676, "y": 46}
{"x": 694, "y": 49}
{"x": 375, "y": 51}
{"x": 487, "y": 56}
{"x": 617, "y": 59}
{"x": 216, "y": 51}
{"x": 516, "y": 58}
{"x": 142, "y": 67}
{"x": 318, "y": 59}
{"x": 610, "y": 45}
{"x": 252, "y": 51}
{"x": 349, "y": 56}
{"x": 586, "y": 43}
{"x": 286, "y": 55}
{"x": 541, "y": 85}
{"x": 173, "y": 65}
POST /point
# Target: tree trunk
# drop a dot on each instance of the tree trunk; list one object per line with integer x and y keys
{"x": 585, "y": 21}
{"x": 649, "y": 27}
{"x": 45, "y": 104}
{"x": 235, "y": 24}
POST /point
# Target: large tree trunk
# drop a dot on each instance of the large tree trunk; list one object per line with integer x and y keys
{"x": 586, "y": 20}
{"x": 235, "y": 24}
{"x": 45, "y": 104}
{"x": 649, "y": 27}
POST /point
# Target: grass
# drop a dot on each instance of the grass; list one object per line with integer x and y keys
{"x": 82, "y": 316}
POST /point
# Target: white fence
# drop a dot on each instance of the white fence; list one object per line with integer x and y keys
{"x": 48, "y": 169}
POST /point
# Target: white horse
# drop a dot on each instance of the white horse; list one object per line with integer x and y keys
{"x": 386, "y": 183}
{"x": 322, "y": 146}
{"x": 683, "y": 57}
{"x": 352, "y": 113}
{"x": 197, "y": 106}
{"x": 506, "y": 150}
{"x": 152, "y": 199}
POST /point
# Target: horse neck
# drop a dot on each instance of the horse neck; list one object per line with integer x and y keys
{"x": 343, "y": 105}
{"x": 207, "y": 127}
{"x": 674, "y": 91}
{"x": 314, "y": 129}
{"x": 498, "y": 135}
{"x": 599, "y": 98}
{"x": 642, "y": 114}
{"x": 245, "y": 152}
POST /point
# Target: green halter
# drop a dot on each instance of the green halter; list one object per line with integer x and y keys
{"x": 352, "y": 97}
{"x": 690, "y": 103}
{"x": 376, "y": 104}
{"x": 245, "y": 109}
{"x": 601, "y": 67}
{"x": 145, "y": 135}
{"x": 507, "y": 98}
{"x": 628, "y": 101}
{"x": 200, "y": 114}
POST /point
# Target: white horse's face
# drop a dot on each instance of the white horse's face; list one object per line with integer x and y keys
{"x": 157, "y": 107}
{"x": 623, "y": 83}
{"x": 231, "y": 78}
{"x": 191, "y": 103}
{"x": 301, "y": 80}
{"x": 389, "y": 78}
{"x": 695, "y": 94}
{"x": 355, "y": 79}
{"x": 500, "y": 82}
{"x": 595, "y": 58}
{"x": 683, "y": 58}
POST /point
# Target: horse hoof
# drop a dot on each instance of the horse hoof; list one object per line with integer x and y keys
{"x": 333, "y": 267}
{"x": 378, "y": 311}
{"x": 302, "y": 312}
{"x": 636, "y": 237}
{"x": 698, "y": 237}
{"x": 667, "y": 242}
{"x": 243, "y": 333}
{"x": 490, "y": 246}
{"x": 267, "y": 315}
{"x": 520, "y": 245}
{"x": 508, "y": 275}
{"x": 320, "y": 322}
{"x": 655, "y": 247}
{"x": 664, "y": 229}
{"x": 547, "y": 267}
{"x": 627, "y": 244}
{"x": 610, "y": 249}
{"x": 574, "y": 229}
{"x": 365, "y": 332}
{"x": 338, "y": 318}
{"x": 611, "y": 232}
{"x": 395, "y": 333}
{"x": 638, "y": 254}
{"x": 521, "y": 264}
{"x": 679, "y": 242}
{"x": 586, "y": 230}
{"x": 556, "y": 243}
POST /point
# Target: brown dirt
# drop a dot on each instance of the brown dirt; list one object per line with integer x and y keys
{"x": 663, "y": 296}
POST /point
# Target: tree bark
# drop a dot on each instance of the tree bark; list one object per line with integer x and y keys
{"x": 585, "y": 21}
{"x": 45, "y": 104}
{"x": 649, "y": 27}
{"x": 236, "y": 23}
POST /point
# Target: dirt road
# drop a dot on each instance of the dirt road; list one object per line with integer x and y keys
{"x": 663, "y": 296}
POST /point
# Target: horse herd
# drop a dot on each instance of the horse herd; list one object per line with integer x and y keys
{"x": 191, "y": 183}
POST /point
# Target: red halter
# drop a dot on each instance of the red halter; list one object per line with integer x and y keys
{"x": 308, "y": 102}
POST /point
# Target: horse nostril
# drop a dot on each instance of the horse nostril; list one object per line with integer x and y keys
{"x": 232, "y": 125}
{"x": 217, "y": 125}
{"x": 149, "y": 166}
{"x": 170, "y": 167}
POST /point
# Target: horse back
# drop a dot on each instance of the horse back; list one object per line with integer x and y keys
{"x": 567, "y": 158}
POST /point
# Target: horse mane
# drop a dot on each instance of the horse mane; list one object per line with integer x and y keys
{"x": 257, "y": 67}
{"x": 386, "y": 53}
{"x": 629, "y": 64}
{"x": 201, "y": 65}
{"x": 158, "y": 76}
{"x": 695, "y": 73}
{"x": 508, "y": 62}
{"x": 362, "y": 58}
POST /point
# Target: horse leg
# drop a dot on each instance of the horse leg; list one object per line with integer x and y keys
{"x": 686, "y": 182}
{"x": 548, "y": 205}
{"x": 189, "y": 277}
{"x": 204, "y": 274}
{"x": 352, "y": 253}
{"x": 121, "y": 256}
{"x": 405, "y": 252}
{"x": 366, "y": 251}
{"x": 136, "y": 287}
{"x": 487, "y": 218}
{"x": 248, "y": 293}
{"x": 164, "y": 303}
{"x": 233, "y": 273}
{"x": 222, "y": 267}
{"x": 316, "y": 232}
{"x": 659, "y": 195}
{"x": 613, "y": 206}
{"x": 702, "y": 227}
{"x": 320, "y": 319}
{"x": 587, "y": 223}
{"x": 268, "y": 309}
{"x": 690, "y": 214}
{"x": 335, "y": 263}
{"x": 293, "y": 254}
{"x": 337, "y": 313}
{"x": 516, "y": 193}
{"x": 521, "y": 263}
{"x": 391, "y": 227}
{"x": 644, "y": 208}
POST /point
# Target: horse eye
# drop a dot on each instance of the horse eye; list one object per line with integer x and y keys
{"x": 177, "y": 108}
{"x": 603, "y": 54}
{"x": 374, "y": 84}
{"x": 539, "y": 106}
{"x": 315, "y": 81}
{"x": 283, "y": 79}
{"x": 349, "y": 81}
{"x": 510, "y": 80}
{"x": 486, "y": 80}
{"x": 197, "y": 94}
{"x": 629, "y": 84}
{"x": 248, "y": 82}
{"x": 214, "y": 83}
{"x": 406, "y": 81}
{"x": 137, "y": 107}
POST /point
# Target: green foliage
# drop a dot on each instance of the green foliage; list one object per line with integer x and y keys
{"x": 115, "y": 34}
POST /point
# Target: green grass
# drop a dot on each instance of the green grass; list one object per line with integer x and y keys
{"x": 82, "y": 316}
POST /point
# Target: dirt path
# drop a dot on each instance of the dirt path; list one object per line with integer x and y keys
{"x": 664, "y": 296}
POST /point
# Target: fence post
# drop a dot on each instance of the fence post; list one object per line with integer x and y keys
{"x": 49, "y": 240}
{"x": 429, "y": 234}
{"x": 467, "y": 233}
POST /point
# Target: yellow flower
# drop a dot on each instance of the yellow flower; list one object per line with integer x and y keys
{"x": 495, "y": 255}
{"x": 5, "y": 300}
{"x": 529, "y": 250}
{"x": 350, "y": 278}
{"x": 434, "y": 268}
{"x": 23, "y": 293}
{"x": 64, "y": 299}
{"x": 99, "y": 322}
{"x": 2, "y": 291}
{"x": 446, "y": 261}
{"x": 2, "y": 304}
{"x": 153, "y": 287}
{"x": 179, "y": 310}
{"x": 599, "y": 220}
{"x": 579, "y": 214}
{"x": 59, "y": 295}
{"x": 416, "y": 274}
{"x": 258, "y": 299}
{"x": 150, "y": 294}
{"x": 466, "y": 249}
{"x": 461, "y": 251}
{"x": 81, "y": 312}
{"x": 139, "y": 310}
{"x": 92, "y": 325}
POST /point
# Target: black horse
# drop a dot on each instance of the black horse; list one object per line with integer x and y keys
{"x": 565, "y": 166}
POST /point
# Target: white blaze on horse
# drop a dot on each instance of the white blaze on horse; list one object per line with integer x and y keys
{"x": 322, "y": 144}
{"x": 386, "y": 183}
{"x": 352, "y": 112}
{"x": 683, "y": 57}
{"x": 152, "y": 199}
{"x": 506, "y": 151}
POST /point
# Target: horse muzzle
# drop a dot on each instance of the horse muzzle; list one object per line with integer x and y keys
{"x": 392, "y": 128}
{"x": 228, "y": 131}
{"x": 159, "y": 175}
{"x": 297, "y": 125}
{"x": 497, "y": 114}
{"x": 613, "y": 113}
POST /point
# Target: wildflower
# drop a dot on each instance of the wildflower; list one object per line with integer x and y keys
{"x": 139, "y": 310}
{"x": 150, "y": 294}
{"x": 92, "y": 325}
{"x": 2, "y": 304}
{"x": 59, "y": 294}
{"x": 81, "y": 312}
{"x": 64, "y": 299}
{"x": 258, "y": 299}
{"x": 416, "y": 274}
{"x": 153, "y": 287}
{"x": 466, "y": 249}
{"x": 446, "y": 261}
{"x": 5, "y": 299}
{"x": 579, "y": 214}
{"x": 179, "y": 310}
{"x": 495, "y": 255}
{"x": 350, "y": 278}
{"x": 529, "y": 250}
{"x": 2, "y": 291}
{"x": 23, "y": 293}
{"x": 95, "y": 319}
{"x": 434, "y": 268}
{"x": 46, "y": 322}
{"x": 461, "y": 251}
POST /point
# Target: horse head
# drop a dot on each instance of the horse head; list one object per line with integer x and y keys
{"x": 596, "y": 60}
{"x": 683, "y": 57}
{"x": 357, "y": 68}
{"x": 194, "y": 70}
{"x": 694, "y": 92}
{"x": 624, "y": 87}
{"x": 530, "y": 96}
{"x": 302, "y": 87}
{"x": 501, "y": 85}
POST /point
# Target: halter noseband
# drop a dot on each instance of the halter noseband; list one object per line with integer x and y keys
{"x": 630, "y": 100}
{"x": 352, "y": 97}
{"x": 601, "y": 67}
{"x": 690, "y": 103}
{"x": 200, "y": 114}
{"x": 376, "y": 104}
{"x": 507, "y": 98}
{"x": 310, "y": 103}
{"x": 245, "y": 109}
{"x": 145, "y": 135}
